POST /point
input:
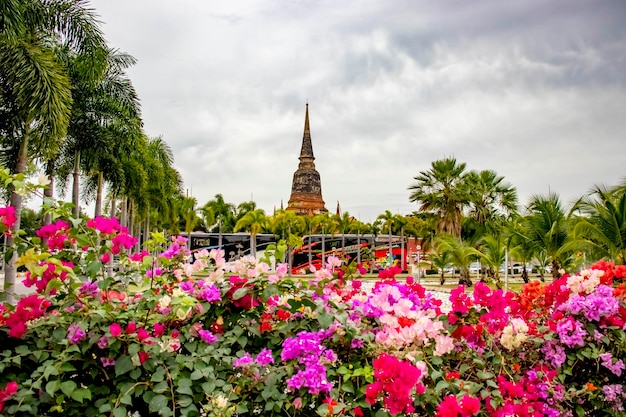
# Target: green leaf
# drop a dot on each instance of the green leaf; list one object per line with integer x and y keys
{"x": 184, "y": 386}
{"x": 67, "y": 367}
{"x": 325, "y": 319}
{"x": 81, "y": 394}
{"x": 68, "y": 387}
{"x": 93, "y": 267}
{"x": 157, "y": 403}
{"x": 104, "y": 408}
{"x": 241, "y": 292}
{"x": 441, "y": 385}
{"x": 484, "y": 375}
{"x": 123, "y": 364}
{"x": 119, "y": 412}
{"x": 52, "y": 387}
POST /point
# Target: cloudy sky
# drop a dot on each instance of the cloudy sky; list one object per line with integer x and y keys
{"x": 533, "y": 89}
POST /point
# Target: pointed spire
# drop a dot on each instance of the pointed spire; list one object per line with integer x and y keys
{"x": 306, "y": 188}
{"x": 338, "y": 209}
{"x": 306, "y": 152}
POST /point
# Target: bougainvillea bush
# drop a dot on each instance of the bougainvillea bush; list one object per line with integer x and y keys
{"x": 162, "y": 332}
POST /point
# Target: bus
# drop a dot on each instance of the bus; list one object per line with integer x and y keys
{"x": 235, "y": 245}
{"x": 372, "y": 251}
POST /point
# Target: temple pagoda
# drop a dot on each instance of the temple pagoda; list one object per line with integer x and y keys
{"x": 306, "y": 188}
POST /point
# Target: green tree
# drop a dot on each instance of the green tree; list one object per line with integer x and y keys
{"x": 360, "y": 228}
{"x": 442, "y": 192}
{"x": 461, "y": 255}
{"x": 440, "y": 259}
{"x": 547, "y": 228}
{"x": 254, "y": 222}
{"x": 493, "y": 254}
{"x": 602, "y": 226}
{"x": 35, "y": 88}
{"x": 521, "y": 247}
{"x": 224, "y": 214}
{"x": 105, "y": 126}
{"x": 489, "y": 197}
{"x": 387, "y": 220}
{"x": 342, "y": 225}
{"x": 290, "y": 226}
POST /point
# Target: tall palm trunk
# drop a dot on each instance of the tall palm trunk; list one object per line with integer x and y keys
{"x": 124, "y": 212}
{"x": 48, "y": 192}
{"x": 146, "y": 229}
{"x": 76, "y": 186}
{"x": 113, "y": 207}
{"x": 10, "y": 269}
{"x": 253, "y": 244}
{"x": 131, "y": 216}
{"x": 98, "y": 209}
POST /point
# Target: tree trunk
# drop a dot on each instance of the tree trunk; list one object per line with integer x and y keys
{"x": 146, "y": 230}
{"x": 131, "y": 216}
{"x": 10, "y": 269}
{"x": 113, "y": 207}
{"x": 48, "y": 192}
{"x": 76, "y": 186}
{"x": 525, "y": 274}
{"x": 253, "y": 244}
{"x": 98, "y": 210}
{"x": 124, "y": 212}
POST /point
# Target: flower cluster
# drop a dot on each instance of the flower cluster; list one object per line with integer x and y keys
{"x": 28, "y": 308}
{"x": 395, "y": 381}
{"x": 312, "y": 356}
{"x": 7, "y": 219}
{"x": 55, "y": 234}
{"x": 6, "y": 393}
{"x": 175, "y": 335}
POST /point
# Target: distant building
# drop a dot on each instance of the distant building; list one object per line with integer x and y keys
{"x": 306, "y": 188}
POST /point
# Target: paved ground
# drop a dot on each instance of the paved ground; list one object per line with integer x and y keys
{"x": 20, "y": 289}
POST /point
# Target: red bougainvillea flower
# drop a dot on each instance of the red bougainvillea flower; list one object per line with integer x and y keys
{"x": 28, "y": 308}
{"x": 7, "y": 393}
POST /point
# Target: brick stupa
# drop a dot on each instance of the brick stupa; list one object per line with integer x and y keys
{"x": 306, "y": 188}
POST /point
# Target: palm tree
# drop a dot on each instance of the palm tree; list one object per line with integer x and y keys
{"x": 521, "y": 247}
{"x": 602, "y": 226}
{"x": 359, "y": 228}
{"x": 190, "y": 217}
{"x": 342, "y": 225}
{"x": 387, "y": 220}
{"x": 493, "y": 254}
{"x": 442, "y": 192}
{"x": 461, "y": 254}
{"x": 546, "y": 227}
{"x": 290, "y": 227}
{"x": 224, "y": 214}
{"x": 35, "y": 86}
{"x": 105, "y": 126}
{"x": 441, "y": 260}
{"x": 489, "y": 196}
{"x": 254, "y": 221}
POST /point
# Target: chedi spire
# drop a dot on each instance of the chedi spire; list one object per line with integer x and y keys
{"x": 306, "y": 188}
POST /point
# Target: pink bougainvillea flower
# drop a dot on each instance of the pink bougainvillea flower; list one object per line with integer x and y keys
{"x": 115, "y": 329}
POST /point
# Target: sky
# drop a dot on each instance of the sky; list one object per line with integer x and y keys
{"x": 534, "y": 90}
